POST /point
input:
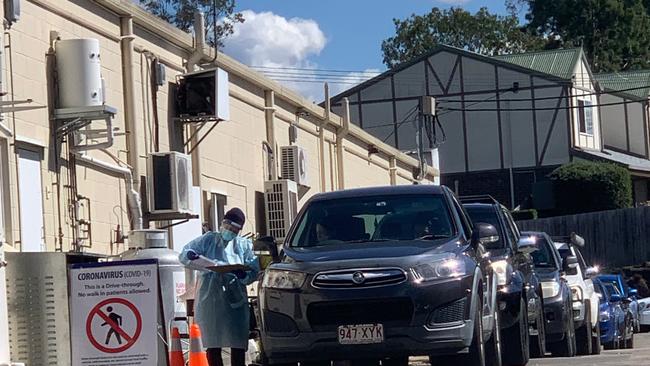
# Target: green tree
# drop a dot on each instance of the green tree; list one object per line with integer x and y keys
{"x": 483, "y": 32}
{"x": 590, "y": 186}
{"x": 181, "y": 14}
{"x": 615, "y": 34}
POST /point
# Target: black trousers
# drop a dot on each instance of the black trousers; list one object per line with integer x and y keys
{"x": 237, "y": 357}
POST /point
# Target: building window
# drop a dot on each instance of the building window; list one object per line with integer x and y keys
{"x": 586, "y": 119}
{"x": 217, "y": 210}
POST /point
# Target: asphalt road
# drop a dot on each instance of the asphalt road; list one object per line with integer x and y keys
{"x": 639, "y": 356}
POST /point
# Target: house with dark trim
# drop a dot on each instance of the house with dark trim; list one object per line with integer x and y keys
{"x": 505, "y": 122}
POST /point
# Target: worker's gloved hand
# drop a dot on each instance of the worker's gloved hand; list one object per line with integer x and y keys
{"x": 240, "y": 273}
{"x": 192, "y": 255}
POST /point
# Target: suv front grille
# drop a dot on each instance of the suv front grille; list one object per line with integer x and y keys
{"x": 359, "y": 278}
{"x": 329, "y": 315}
{"x": 450, "y": 313}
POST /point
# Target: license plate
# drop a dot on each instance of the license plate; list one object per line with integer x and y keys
{"x": 361, "y": 334}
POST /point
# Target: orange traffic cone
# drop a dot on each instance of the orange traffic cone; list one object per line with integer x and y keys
{"x": 197, "y": 355}
{"x": 175, "y": 349}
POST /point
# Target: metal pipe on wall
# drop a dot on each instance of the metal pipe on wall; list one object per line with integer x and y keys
{"x": 340, "y": 136}
{"x": 128, "y": 89}
{"x": 192, "y": 62}
{"x": 269, "y": 119}
{"x": 321, "y": 137}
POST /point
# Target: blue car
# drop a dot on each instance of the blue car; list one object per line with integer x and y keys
{"x": 629, "y": 297}
{"x": 615, "y": 321}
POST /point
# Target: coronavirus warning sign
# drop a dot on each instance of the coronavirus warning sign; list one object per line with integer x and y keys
{"x": 113, "y": 313}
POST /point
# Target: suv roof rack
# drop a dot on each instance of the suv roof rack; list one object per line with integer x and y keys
{"x": 572, "y": 239}
{"x": 481, "y": 198}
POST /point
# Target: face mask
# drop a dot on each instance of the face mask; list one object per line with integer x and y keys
{"x": 228, "y": 235}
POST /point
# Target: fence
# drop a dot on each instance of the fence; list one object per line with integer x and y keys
{"x": 613, "y": 238}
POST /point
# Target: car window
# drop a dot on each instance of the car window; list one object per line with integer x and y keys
{"x": 511, "y": 222}
{"x": 543, "y": 257}
{"x": 374, "y": 218}
{"x": 611, "y": 288}
{"x": 581, "y": 260}
{"x": 464, "y": 216}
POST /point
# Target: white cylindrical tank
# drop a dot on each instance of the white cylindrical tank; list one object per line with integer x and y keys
{"x": 79, "y": 73}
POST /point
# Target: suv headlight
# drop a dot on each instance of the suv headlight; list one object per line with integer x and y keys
{"x": 439, "y": 269}
{"x": 503, "y": 271}
{"x": 550, "y": 289}
{"x": 284, "y": 280}
{"x": 576, "y": 294}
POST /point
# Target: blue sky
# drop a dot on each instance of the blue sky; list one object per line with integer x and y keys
{"x": 354, "y": 29}
{"x": 314, "y": 35}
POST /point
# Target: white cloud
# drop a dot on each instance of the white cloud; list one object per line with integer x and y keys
{"x": 270, "y": 40}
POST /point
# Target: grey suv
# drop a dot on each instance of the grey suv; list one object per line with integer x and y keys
{"x": 381, "y": 274}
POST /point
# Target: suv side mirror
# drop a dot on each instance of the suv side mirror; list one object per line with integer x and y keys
{"x": 615, "y": 298}
{"x": 633, "y": 293}
{"x": 591, "y": 272}
{"x": 570, "y": 265}
{"x": 527, "y": 245}
{"x": 485, "y": 234}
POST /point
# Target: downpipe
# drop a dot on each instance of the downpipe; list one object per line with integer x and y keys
{"x": 341, "y": 133}
{"x": 132, "y": 197}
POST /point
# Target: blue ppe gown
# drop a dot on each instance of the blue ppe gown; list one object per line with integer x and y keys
{"x": 221, "y": 304}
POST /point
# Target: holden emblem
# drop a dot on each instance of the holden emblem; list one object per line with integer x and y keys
{"x": 358, "y": 278}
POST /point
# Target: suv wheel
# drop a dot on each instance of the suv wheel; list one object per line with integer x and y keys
{"x": 567, "y": 346}
{"x": 628, "y": 342}
{"x": 493, "y": 346}
{"x": 583, "y": 334}
{"x": 516, "y": 339}
{"x": 595, "y": 340}
{"x": 538, "y": 342}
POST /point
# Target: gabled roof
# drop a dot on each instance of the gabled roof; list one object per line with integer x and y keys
{"x": 560, "y": 63}
{"x": 638, "y": 80}
{"x": 458, "y": 51}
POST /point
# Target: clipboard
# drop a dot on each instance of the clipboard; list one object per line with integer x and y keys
{"x": 228, "y": 268}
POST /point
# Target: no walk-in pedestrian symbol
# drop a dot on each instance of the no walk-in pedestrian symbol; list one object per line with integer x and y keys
{"x": 113, "y": 311}
{"x": 114, "y": 325}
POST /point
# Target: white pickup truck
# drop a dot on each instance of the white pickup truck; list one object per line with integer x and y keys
{"x": 585, "y": 298}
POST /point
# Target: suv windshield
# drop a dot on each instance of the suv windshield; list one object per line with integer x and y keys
{"x": 373, "y": 219}
{"x": 543, "y": 256}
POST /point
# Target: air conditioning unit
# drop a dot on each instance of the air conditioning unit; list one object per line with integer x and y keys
{"x": 294, "y": 164}
{"x": 281, "y": 200}
{"x": 170, "y": 183}
{"x": 203, "y": 95}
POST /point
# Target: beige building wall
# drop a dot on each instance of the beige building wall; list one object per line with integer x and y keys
{"x": 232, "y": 157}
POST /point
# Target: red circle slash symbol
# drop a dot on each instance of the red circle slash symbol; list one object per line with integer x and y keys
{"x": 115, "y": 328}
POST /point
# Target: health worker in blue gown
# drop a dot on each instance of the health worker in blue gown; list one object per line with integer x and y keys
{"x": 222, "y": 309}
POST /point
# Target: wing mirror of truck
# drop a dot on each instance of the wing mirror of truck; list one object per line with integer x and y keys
{"x": 527, "y": 245}
{"x": 591, "y": 272}
{"x": 485, "y": 234}
{"x": 633, "y": 293}
{"x": 570, "y": 265}
{"x": 267, "y": 244}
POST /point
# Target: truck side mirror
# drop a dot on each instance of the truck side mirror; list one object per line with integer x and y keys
{"x": 570, "y": 265}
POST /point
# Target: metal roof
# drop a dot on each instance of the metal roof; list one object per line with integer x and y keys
{"x": 560, "y": 63}
{"x": 626, "y": 80}
{"x": 632, "y": 162}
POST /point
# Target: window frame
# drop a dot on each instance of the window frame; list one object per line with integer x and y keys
{"x": 585, "y": 109}
{"x": 217, "y": 212}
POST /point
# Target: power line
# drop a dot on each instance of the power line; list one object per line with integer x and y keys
{"x": 398, "y": 125}
{"x": 547, "y": 98}
{"x": 315, "y": 69}
{"x": 540, "y": 109}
